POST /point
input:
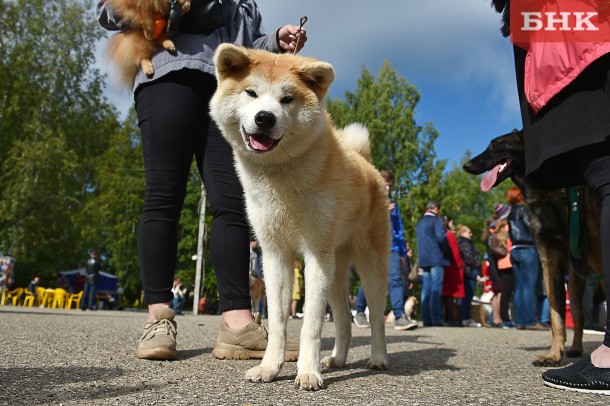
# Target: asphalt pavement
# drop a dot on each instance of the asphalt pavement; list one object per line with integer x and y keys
{"x": 69, "y": 357}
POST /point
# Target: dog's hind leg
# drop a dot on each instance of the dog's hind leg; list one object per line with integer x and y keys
{"x": 279, "y": 279}
{"x": 338, "y": 300}
{"x": 373, "y": 271}
{"x": 319, "y": 276}
{"x": 576, "y": 287}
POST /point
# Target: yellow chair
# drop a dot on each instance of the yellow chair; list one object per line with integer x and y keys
{"x": 29, "y": 298}
{"x": 74, "y": 298}
{"x": 15, "y": 296}
{"x": 40, "y": 293}
{"x": 47, "y": 297}
{"x": 59, "y": 298}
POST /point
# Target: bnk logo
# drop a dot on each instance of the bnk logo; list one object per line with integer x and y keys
{"x": 559, "y": 21}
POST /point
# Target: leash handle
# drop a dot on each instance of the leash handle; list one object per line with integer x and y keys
{"x": 302, "y": 22}
{"x": 173, "y": 20}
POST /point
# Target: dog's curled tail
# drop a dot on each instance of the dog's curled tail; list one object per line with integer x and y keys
{"x": 126, "y": 51}
{"x": 356, "y": 137}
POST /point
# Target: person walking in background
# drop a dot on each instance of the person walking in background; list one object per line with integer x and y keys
{"x": 172, "y": 108}
{"x": 453, "y": 278}
{"x": 179, "y": 292}
{"x": 409, "y": 277}
{"x": 494, "y": 274}
{"x": 397, "y": 263}
{"x": 472, "y": 272}
{"x": 297, "y": 287}
{"x": 500, "y": 249}
{"x": 34, "y": 283}
{"x": 92, "y": 270}
{"x": 432, "y": 254}
{"x": 256, "y": 272}
{"x": 525, "y": 262}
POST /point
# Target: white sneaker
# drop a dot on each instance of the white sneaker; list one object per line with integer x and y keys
{"x": 470, "y": 323}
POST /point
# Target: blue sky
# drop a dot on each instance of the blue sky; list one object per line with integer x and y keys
{"x": 451, "y": 50}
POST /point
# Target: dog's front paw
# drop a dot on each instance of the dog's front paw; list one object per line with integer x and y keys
{"x": 185, "y": 5}
{"x": 261, "y": 374}
{"x": 168, "y": 44}
{"x": 311, "y": 381}
{"x": 332, "y": 362}
{"x": 379, "y": 364}
{"x": 547, "y": 361}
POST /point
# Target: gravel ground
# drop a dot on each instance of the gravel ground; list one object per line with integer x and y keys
{"x": 70, "y": 357}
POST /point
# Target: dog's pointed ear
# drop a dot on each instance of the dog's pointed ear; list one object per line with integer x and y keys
{"x": 230, "y": 60}
{"x": 317, "y": 76}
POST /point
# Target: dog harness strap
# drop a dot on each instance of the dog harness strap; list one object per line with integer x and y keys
{"x": 160, "y": 23}
{"x": 575, "y": 222}
{"x": 578, "y": 248}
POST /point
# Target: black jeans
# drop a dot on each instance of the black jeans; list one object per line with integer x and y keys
{"x": 508, "y": 287}
{"x": 175, "y": 125}
{"x": 594, "y": 163}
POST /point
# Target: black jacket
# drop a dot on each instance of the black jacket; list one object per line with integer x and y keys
{"x": 519, "y": 221}
{"x": 93, "y": 268}
{"x": 471, "y": 257}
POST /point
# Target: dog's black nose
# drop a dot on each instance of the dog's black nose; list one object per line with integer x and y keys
{"x": 264, "y": 120}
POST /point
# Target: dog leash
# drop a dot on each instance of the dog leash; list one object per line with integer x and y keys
{"x": 302, "y": 22}
{"x": 578, "y": 248}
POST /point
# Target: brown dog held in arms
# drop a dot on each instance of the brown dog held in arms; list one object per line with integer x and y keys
{"x": 134, "y": 48}
{"x": 505, "y": 158}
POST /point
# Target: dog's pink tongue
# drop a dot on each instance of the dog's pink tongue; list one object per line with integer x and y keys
{"x": 261, "y": 142}
{"x": 489, "y": 180}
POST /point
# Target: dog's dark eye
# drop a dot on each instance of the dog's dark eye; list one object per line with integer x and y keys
{"x": 286, "y": 99}
{"x": 251, "y": 93}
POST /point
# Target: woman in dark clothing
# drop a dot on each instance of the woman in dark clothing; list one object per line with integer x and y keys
{"x": 172, "y": 107}
{"x": 567, "y": 143}
{"x": 494, "y": 275}
{"x": 472, "y": 272}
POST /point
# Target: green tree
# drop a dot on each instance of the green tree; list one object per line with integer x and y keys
{"x": 54, "y": 125}
{"x": 111, "y": 217}
{"x": 386, "y": 105}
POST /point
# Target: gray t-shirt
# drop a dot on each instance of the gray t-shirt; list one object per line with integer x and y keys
{"x": 196, "y": 51}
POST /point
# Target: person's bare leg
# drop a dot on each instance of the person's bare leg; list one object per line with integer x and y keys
{"x": 237, "y": 319}
{"x": 601, "y": 357}
{"x": 152, "y": 307}
{"x": 495, "y": 307}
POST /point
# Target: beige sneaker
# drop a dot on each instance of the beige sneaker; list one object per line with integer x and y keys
{"x": 159, "y": 338}
{"x": 248, "y": 343}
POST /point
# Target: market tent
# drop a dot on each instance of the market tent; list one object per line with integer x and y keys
{"x": 105, "y": 282}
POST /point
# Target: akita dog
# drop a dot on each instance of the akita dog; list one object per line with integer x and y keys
{"x": 309, "y": 190}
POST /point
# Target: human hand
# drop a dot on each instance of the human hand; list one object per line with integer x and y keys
{"x": 287, "y": 38}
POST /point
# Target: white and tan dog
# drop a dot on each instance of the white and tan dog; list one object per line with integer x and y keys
{"x": 309, "y": 191}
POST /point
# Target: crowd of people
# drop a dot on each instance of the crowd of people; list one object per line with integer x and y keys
{"x": 452, "y": 267}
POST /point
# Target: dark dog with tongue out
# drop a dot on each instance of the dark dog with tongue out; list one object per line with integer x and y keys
{"x": 505, "y": 158}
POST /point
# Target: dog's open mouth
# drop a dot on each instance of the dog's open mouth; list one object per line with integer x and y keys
{"x": 491, "y": 178}
{"x": 260, "y": 142}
